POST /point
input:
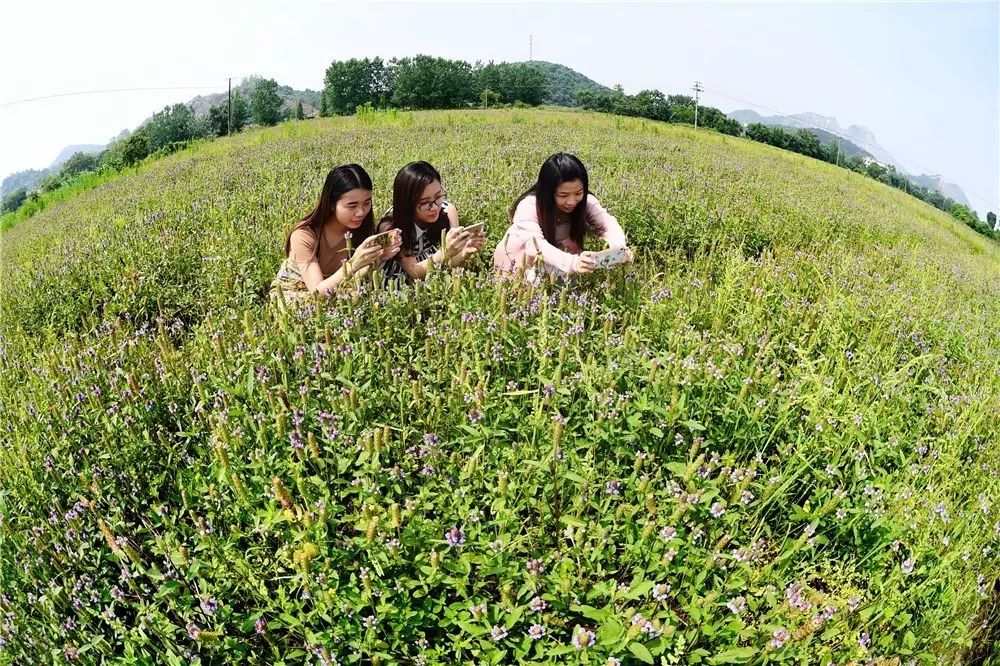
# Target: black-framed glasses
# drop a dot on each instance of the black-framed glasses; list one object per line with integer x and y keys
{"x": 428, "y": 206}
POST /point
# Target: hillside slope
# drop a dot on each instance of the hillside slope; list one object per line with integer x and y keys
{"x": 772, "y": 438}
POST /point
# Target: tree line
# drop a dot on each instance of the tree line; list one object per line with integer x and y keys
{"x": 167, "y": 131}
{"x": 654, "y": 105}
{"x": 427, "y": 82}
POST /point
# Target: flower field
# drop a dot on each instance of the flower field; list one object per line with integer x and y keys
{"x": 771, "y": 440}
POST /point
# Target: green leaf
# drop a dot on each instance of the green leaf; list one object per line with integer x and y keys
{"x": 734, "y": 656}
{"x": 640, "y": 652}
{"x": 572, "y": 521}
{"x": 640, "y": 590}
{"x": 678, "y": 468}
{"x": 473, "y": 629}
{"x": 595, "y": 614}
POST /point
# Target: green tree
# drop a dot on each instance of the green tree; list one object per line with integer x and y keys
{"x": 78, "y": 163}
{"x": 488, "y": 97}
{"x": 14, "y": 200}
{"x": 265, "y": 103}
{"x": 171, "y": 125}
{"x": 652, "y": 104}
{"x": 425, "y": 82}
{"x": 512, "y": 82}
{"x": 218, "y": 119}
{"x": 349, "y": 84}
{"x": 299, "y": 114}
{"x": 964, "y": 214}
{"x": 991, "y": 220}
{"x": 241, "y": 112}
{"x": 323, "y": 112}
{"x": 126, "y": 151}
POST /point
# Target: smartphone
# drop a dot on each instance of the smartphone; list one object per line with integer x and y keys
{"x": 612, "y": 257}
{"x": 476, "y": 228}
{"x": 382, "y": 240}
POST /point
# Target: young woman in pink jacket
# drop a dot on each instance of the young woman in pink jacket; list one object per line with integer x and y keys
{"x": 550, "y": 220}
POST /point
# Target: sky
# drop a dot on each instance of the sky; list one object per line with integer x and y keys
{"x": 924, "y": 77}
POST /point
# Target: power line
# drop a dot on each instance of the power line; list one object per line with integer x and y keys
{"x": 800, "y": 123}
{"x": 97, "y": 92}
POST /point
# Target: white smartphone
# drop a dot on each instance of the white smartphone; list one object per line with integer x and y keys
{"x": 476, "y": 228}
{"x": 612, "y": 257}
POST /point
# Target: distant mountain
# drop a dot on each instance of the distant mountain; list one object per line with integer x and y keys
{"x": 950, "y": 190}
{"x": 69, "y": 151}
{"x": 19, "y": 179}
{"x": 30, "y": 177}
{"x": 860, "y": 136}
{"x": 565, "y": 83}
{"x": 864, "y": 139}
{"x": 849, "y": 148}
{"x": 290, "y": 98}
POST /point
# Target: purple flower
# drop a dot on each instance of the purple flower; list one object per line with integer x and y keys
{"x": 498, "y": 633}
{"x": 717, "y": 510}
{"x": 209, "y": 606}
{"x": 583, "y": 638}
{"x": 613, "y": 487}
{"x": 794, "y": 594}
{"x": 193, "y": 631}
{"x": 908, "y": 565}
{"x": 431, "y": 439}
{"x": 536, "y": 631}
{"x": 475, "y": 416}
{"x": 864, "y": 640}
{"x": 548, "y": 390}
{"x": 260, "y": 626}
{"x": 537, "y": 605}
{"x": 455, "y": 537}
{"x": 779, "y": 637}
{"x": 535, "y": 567}
{"x": 660, "y": 592}
{"x": 613, "y": 661}
{"x": 737, "y": 605}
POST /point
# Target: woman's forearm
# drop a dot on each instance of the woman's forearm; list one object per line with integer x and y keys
{"x": 418, "y": 270}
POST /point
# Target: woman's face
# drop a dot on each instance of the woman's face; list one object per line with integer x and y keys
{"x": 429, "y": 203}
{"x": 352, "y": 207}
{"x": 569, "y": 195}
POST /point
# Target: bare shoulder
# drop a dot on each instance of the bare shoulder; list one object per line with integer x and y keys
{"x": 303, "y": 237}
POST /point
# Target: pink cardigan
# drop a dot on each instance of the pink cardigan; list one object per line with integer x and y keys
{"x": 524, "y": 239}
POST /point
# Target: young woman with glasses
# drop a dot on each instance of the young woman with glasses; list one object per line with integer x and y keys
{"x": 422, "y": 214}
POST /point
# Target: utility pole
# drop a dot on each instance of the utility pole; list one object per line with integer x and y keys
{"x": 229, "y": 124}
{"x": 531, "y": 48}
{"x": 697, "y": 89}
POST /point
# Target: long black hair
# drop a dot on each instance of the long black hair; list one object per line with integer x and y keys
{"x": 409, "y": 184}
{"x": 557, "y": 169}
{"x": 339, "y": 181}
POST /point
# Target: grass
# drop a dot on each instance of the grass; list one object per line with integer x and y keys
{"x": 771, "y": 440}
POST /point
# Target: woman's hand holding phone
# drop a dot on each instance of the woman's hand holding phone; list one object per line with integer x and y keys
{"x": 455, "y": 242}
{"x": 376, "y": 248}
{"x": 584, "y": 263}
